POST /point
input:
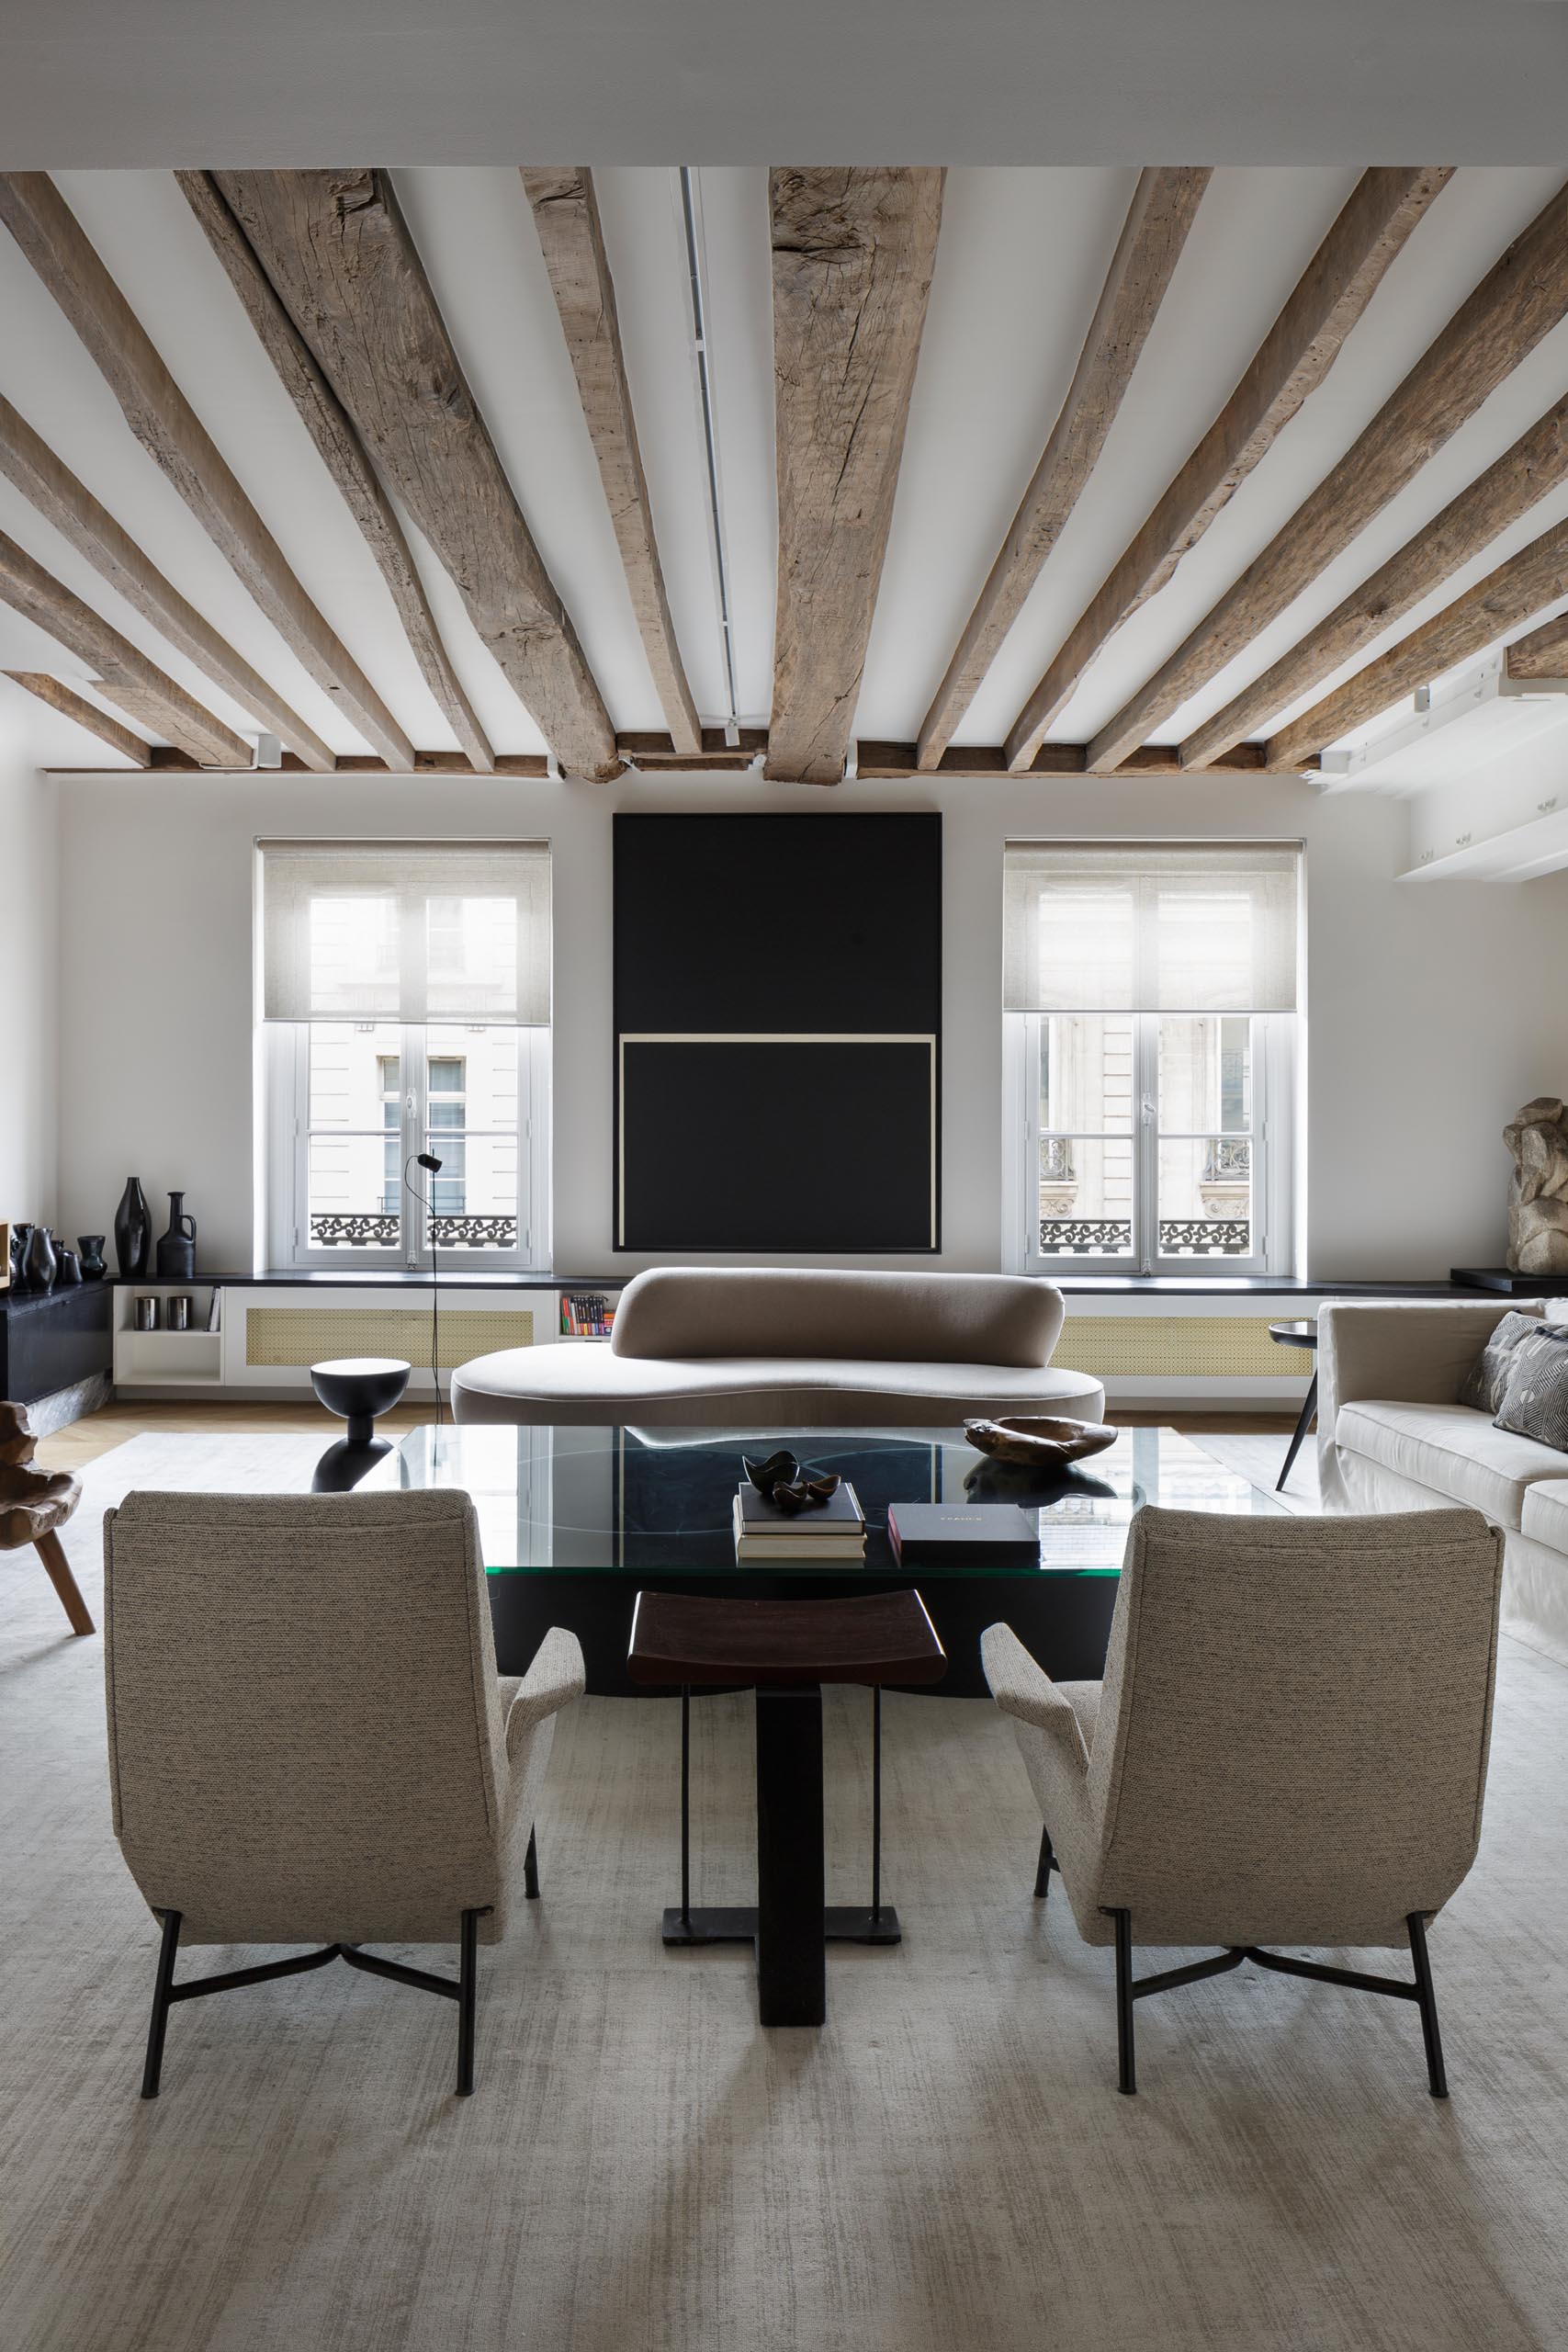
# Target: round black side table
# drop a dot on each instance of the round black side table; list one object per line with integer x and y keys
{"x": 1300, "y": 1334}
{"x": 357, "y": 1388}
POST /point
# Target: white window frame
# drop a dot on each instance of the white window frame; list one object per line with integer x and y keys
{"x": 1272, "y": 1132}
{"x": 288, "y": 1129}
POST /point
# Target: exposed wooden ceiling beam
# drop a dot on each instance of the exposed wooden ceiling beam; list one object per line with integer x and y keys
{"x": 343, "y": 453}
{"x": 571, "y": 237}
{"x": 854, "y": 252}
{"x": 170, "y": 431}
{"x": 1165, "y": 203}
{"x": 124, "y": 674}
{"x": 32, "y": 467}
{"x": 656, "y": 756}
{"x": 1520, "y": 299}
{"x": 85, "y": 714}
{"x": 339, "y": 254}
{"x": 1468, "y": 525}
{"x": 1542, "y": 654}
{"x": 1505, "y": 600}
{"x": 1291, "y": 361}
{"x": 987, "y": 763}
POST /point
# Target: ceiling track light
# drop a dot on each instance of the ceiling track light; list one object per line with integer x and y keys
{"x": 691, "y": 224}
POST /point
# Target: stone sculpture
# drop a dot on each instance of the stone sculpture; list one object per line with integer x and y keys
{"x": 1538, "y": 1190}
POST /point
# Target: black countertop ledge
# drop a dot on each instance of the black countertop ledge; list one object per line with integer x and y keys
{"x": 1155, "y": 1287}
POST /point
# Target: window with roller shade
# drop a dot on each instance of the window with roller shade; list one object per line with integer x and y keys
{"x": 405, "y": 992}
{"x": 1151, "y": 997}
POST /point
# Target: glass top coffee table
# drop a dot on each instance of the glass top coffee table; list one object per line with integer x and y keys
{"x": 574, "y": 1522}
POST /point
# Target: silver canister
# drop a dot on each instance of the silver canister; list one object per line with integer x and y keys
{"x": 176, "y": 1312}
{"x": 147, "y": 1313}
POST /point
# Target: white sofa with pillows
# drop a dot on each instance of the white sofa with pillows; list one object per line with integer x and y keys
{"x": 1420, "y": 1407}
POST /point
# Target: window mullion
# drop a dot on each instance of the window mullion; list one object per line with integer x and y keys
{"x": 1145, "y": 1155}
{"x": 1035, "y": 1030}
{"x": 413, "y": 1123}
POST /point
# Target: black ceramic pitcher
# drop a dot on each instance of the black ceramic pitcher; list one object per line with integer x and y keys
{"x": 176, "y": 1251}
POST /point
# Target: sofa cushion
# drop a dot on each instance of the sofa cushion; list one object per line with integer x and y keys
{"x": 678, "y": 1312}
{"x": 1535, "y": 1402}
{"x": 1545, "y": 1512}
{"x": 1488, "y": 1379}
{"x": 591, "y": 1384}
{"x": 1451, "y": 1451}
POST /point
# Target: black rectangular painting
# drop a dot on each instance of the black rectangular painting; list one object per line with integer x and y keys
{"x": 778, "y": 1019}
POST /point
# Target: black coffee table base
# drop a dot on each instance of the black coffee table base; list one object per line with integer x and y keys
{"x": 1064, "y": 1620}
{"x": 736, "y": 1923}
{"x": 795, "y": 1984}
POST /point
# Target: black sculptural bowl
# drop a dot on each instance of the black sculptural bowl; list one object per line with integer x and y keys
{"x": 359, "y": 1388}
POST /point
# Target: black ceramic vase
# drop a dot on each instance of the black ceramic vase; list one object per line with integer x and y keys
{"x": 176, "y": 1251}
{"x": 42, "y": 1265}
{"x": 69, "y": 1268}
{"x": 91, "y": 1245}
{"x": 133, "y": 1233}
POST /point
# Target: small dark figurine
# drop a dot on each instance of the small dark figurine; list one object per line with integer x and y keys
{"x": 778, "y": 1480}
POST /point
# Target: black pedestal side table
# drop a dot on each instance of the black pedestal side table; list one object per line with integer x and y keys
{"x": 1300, "y": 1334}
{"x": 785, "y": 1650}
{"x": 357, "y": 1388}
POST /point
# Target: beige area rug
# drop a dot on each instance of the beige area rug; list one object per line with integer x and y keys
{"x": 947, "y": 2165}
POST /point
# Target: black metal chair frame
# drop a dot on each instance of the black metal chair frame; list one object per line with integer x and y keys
{"x": 463, "y": 1988}
{"x": 1130, "y": 1988}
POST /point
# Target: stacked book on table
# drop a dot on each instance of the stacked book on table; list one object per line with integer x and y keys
{"x": 832, "y": 1533}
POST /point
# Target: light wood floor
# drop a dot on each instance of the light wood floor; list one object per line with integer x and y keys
{"x": 83, "y": 1442}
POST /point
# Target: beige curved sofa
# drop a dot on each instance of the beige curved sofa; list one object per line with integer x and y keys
{"x": 797, "y": 1347}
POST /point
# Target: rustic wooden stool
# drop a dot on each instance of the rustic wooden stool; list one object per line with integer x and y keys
{"x": 33, "y": 1504}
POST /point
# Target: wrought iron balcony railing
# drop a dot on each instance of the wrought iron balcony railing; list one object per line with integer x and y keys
{"x": 1112, "y": 1236}
{"x": 1229, "y": 1160}
{"x": 377, "y": 1229}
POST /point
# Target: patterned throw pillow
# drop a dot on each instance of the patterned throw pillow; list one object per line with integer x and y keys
{"x": 1535, "y": 1402}
{"x": 1487, "y": 1379}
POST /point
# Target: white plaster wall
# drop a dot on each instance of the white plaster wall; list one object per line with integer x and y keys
{"x": 1434, "y": 1010}
{"x": 29, "y": 908}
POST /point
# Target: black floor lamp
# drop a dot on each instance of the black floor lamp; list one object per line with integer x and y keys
{"x": 432, "y": 1166}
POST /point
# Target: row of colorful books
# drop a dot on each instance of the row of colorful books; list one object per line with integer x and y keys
{"x": 585, "y": 1315}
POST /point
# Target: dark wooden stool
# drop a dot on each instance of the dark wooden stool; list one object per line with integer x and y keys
{"x": 1302, "y": 1333}
{"x": 33, "y": 1504}
{"x": 785, "y": 1650}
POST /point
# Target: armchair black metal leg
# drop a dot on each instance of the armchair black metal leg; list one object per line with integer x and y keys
{"x": 152, "y": 2071}
{"x": 1127, "y": 2079}
{"x": 468, "y": 2001}
{"x": 1042, "y": 1868}
{"x": 531, "y": 1867}
{"x": 1426, "y": 1995}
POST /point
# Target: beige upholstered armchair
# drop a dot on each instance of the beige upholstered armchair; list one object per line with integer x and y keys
{"x": 308, "y": 1739}
{"x": 1289, "y": 1746}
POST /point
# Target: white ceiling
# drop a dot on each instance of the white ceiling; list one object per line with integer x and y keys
{"x": 296, "y": 82}
{"x": 1021, "y": 258}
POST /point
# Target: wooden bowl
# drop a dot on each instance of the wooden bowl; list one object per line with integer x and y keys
{"x": 1037, "y": 1441}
